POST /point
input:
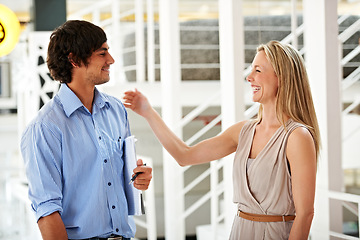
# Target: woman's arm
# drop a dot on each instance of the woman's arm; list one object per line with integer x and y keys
{"x": 205, "y": 151}
{"x": 52, "y": 227}
{"x": 301, "y": 154}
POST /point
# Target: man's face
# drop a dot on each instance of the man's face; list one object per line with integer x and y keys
{"x": 98, "y": 69}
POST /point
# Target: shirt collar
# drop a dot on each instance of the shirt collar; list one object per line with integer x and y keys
{"x": 71, "y": 102}
{"x": 100, "y": 99}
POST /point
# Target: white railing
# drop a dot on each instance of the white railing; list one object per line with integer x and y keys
{"x": 351, "y": 79}
{"x": 351, "y": 107}
{"x": 345, "y": 197}
{"x": 346, "y": 83}
{"x": 93, "y": 9}
{"x": 343, "y": 37}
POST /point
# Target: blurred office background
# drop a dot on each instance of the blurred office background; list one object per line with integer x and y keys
{"x": 190, "y": 58}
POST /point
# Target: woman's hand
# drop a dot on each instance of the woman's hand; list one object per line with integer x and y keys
{"x": 137, "y": 102}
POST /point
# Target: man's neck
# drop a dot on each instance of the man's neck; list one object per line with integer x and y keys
{"x": 84, "y": 92}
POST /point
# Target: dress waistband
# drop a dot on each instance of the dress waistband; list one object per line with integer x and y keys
{"x": 109, "y": 238}
{"x": 265, "y": 218}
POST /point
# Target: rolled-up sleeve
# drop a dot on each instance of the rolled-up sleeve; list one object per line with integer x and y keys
{"x": 41, "y": 151}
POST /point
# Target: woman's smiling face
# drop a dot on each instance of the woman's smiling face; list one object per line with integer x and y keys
{"x": 263, "y": 80}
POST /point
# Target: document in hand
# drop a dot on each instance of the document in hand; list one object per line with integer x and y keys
{"x": 133, "y": 195}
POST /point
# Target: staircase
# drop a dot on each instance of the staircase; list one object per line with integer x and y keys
{"x": 138, "y": 65}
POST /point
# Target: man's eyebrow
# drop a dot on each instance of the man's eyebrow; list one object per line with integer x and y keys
{"x": 102, "y": 49}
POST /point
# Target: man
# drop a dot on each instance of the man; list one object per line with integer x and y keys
{"x": 74, "y": 149}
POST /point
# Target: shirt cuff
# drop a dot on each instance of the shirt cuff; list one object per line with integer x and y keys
{"x": 46, "y": 209}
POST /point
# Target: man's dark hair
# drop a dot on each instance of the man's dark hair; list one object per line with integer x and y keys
{"x": 81, "y": 39}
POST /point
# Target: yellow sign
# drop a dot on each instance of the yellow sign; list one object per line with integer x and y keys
{"x": 9, "y": 30}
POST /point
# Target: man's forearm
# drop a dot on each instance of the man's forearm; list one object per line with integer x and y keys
{"x": 52, "y": 227}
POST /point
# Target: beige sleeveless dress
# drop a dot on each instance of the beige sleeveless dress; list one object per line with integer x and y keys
{"x": 265, "y": 187}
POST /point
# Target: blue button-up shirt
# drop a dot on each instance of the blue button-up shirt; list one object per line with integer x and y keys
{"x": 74, "y": 163}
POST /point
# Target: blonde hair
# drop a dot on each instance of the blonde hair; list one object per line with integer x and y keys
{"x": 294, "y": 95}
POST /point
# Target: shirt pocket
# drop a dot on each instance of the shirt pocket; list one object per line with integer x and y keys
{"x": 117, "y": 154}
{"x": 114, "y": 147}
{"x": 119, "y": 146}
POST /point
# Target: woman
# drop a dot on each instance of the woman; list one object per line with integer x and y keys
{"x": 276, "y": 154}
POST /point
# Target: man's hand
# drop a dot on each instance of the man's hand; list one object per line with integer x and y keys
{"x": 142, "y": 181}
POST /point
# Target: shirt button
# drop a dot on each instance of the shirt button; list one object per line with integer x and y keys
{"x": 113, "y": 207}
{"x": 105, "y": 161}
{"x": 99, "y": 137}
{"x": 109, "y": 183}
{"x": 117, "y": 230}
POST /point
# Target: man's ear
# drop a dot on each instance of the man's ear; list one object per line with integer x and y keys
{"x": 71, "y": 60}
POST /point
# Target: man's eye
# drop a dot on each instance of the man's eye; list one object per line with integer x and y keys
{"x": 258, "y": 70}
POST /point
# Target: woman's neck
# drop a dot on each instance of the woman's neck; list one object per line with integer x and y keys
{"x": 270, "y": 119}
